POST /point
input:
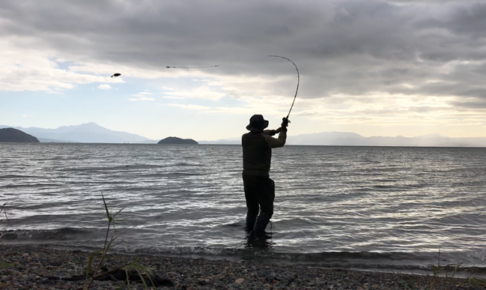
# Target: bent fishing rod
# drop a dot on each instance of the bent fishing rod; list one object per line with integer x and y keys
{"x": 298, "y": 81}
{"x": 285, "y": 120}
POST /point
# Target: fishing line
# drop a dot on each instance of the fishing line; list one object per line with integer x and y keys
{"x": 170, "y": 66}
{"x": 298, "y": 80}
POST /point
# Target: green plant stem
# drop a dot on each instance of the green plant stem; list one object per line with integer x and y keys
{"x": 103, "y": 255}
{"x": 106, "y": 237}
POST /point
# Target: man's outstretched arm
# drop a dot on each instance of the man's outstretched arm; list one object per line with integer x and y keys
{"x": 276, "y": 142}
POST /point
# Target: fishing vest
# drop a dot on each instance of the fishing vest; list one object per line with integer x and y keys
{"x": 256, "y": 154}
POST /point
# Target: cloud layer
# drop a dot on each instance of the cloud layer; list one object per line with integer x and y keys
{"x": 356, "y": 58}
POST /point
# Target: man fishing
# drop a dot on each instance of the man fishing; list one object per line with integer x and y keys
{"x": 259, "y": 188}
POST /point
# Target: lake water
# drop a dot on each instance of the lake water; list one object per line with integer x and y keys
{"x": 348, "y": 207}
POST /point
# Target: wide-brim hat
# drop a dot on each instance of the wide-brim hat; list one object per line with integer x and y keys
{"x": 257, "y": 123}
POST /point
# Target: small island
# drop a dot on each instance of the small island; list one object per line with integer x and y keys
{"x": 177, "y": 141}
{"x": 14, "y": 135}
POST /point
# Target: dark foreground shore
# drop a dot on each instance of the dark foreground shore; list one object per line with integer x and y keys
{"x": 31, "y": 267}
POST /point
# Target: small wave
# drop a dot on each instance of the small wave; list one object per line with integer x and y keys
{"x": 30, "y": 185}
{"x": 171, "y": 174}
{"x": 384, "y": 186}
{"x": 235, "y": 225}
{"x": 295, "y": 223}
{"x": 9, "y": 176}
{"x": 390, "y": 261}
{"x": 42, "y": 235}
{"x": 53, "y": 158}
{"x": 113, "y": 168}
{"x": 188, "y": 164}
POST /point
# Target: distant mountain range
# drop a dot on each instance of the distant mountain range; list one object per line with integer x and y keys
{"x": 84, "y": 133}
{"x": 93, "y": 133}
{"x": 353, "y": 139}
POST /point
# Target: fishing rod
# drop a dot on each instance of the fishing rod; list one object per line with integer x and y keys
{"x": 298, "y": 81}
{"x": 285, "y": 120}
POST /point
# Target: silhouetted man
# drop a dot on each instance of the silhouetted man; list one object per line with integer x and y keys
{"x": 257, "y": 155}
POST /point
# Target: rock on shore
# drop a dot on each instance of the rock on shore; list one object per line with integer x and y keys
{"x": 37, "y": 267}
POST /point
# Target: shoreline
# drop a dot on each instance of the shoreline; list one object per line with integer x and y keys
{"x": 40, "y": 267}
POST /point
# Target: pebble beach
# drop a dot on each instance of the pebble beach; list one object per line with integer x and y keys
{"x": 39, "y": 267}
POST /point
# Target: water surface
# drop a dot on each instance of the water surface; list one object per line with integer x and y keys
{"x": 356, "y": 207}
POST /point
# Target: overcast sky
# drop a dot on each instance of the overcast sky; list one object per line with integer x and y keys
{"x": 372, "y": 67}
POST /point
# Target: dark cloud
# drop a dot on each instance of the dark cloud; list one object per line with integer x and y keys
{"x": 346, "y": 47}
{"x": 469, "y": 20}
{"x": 471, "y": 105}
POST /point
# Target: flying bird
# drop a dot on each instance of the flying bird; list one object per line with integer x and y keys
{"x": 116, "y": 75}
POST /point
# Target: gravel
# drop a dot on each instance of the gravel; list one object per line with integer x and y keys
{"x": 37, "y": 267}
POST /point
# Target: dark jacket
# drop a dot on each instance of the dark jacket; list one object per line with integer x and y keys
{"x": 257, "y": 151}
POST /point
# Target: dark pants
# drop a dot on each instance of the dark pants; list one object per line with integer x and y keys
{"x": 259, "y": 194}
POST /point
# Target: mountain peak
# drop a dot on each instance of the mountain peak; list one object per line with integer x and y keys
{"x": 89, "y": 125}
